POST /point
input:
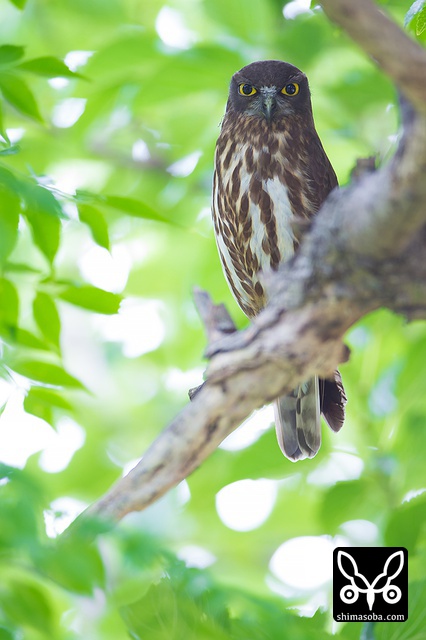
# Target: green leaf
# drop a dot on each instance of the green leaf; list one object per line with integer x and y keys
{"x": 39, "y": 409}
{"x": 10, "y": 207}
{"x": 9, "y": 180}
{"x": 134, "y": 208}
{"x": 10, "y": 53}
{"x": 415, "y": 627}
{"x": 16, "y": 92}
{"x": 15, "y": 336}
{"x": 12, "y": 150}
{"x": 92, "y": 298}
{"x": 28, "y": 604}
{"x": 6, "y": 634}
{"x": 47, "y": 396}
{"x": 74, "y": 564}
{"x": 20, "y": 4}
{"x": 46, "y": 233}
{"x": 156, "y": 611}
{"x": 406, "y": 523}
{"x": 43, "y": 213}
{"x": 241, "y": 19}
{"x": 96, "y": 223}
{"x": 413, "y": 11}
{"x": 121, "y": 55}
{"x": 204, "y": 612}
{"x": 41, "y": 200}
{"x": 421, "y": 22}
{"x": 2, "y": 408}
{"x": 47, "y": 317}
{"x": 19, "y": 499}
{"x": 45, "y": 372}
{"x": 49, "y": 67}
{"x": 9, "y": 303}
{"x": 39, "y": 402}
{"x": 347, "y": 501}
{"x": 3, "y": 131}
{"x": 19, "y": 267}
{"x": 23, "y": 338}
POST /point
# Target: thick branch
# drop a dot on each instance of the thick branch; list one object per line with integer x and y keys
{"x": 237, "y": 383}
{"x": 365, "y": 250}
{"x": 399, "y": 56}
{"x": 395, "y": 209}
{"x": 384, "y": 208}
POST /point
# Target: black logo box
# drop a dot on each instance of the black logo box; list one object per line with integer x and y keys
{"x": 370, "y": 583}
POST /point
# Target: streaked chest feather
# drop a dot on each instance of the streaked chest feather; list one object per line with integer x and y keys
{"x": 254, "y": 199}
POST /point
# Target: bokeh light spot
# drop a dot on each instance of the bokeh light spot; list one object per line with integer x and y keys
{"x": 304, "y": 563}
{"x": 246, "y": 504}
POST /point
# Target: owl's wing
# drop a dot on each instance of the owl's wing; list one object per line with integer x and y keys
{"x": 322, "y": 175}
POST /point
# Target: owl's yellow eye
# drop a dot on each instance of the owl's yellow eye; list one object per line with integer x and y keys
{"x": 246, "y": 89}
{"x": 290, "y": 89}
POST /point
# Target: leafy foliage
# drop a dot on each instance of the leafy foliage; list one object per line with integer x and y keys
{"x": 108, "y": 118}
{"x": 415, "y": 18}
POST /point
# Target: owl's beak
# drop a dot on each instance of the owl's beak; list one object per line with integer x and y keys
{"x": 269, "y": 104}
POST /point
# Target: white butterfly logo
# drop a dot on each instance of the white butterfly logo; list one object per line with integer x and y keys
{"x": 350, "y": 592}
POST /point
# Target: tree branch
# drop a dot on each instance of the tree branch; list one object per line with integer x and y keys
{"x": 365, "y": 250}
{"x": 392, "y": 49}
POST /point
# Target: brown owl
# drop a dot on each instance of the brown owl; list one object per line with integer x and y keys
{"x": 271, "y": 172}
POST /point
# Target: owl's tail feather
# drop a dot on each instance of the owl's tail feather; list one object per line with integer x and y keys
{"x": 297, "y": 415}
{"x": 297, "y": 421}
{"x": 333, "y": 400}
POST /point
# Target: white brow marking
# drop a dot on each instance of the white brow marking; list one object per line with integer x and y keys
{"x": 269, "y": 91}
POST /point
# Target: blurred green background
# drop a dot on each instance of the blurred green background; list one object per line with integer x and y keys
{"x": 105, "y": 175}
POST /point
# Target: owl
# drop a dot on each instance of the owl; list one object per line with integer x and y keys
{"x": 271, "y": 177}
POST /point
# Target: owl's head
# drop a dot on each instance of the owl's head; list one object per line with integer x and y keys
{"x": 269, "y": 89}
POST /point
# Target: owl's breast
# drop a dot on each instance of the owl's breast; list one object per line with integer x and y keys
{"x": 255, "y": 227}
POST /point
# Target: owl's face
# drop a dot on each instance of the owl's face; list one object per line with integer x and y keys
{"x": 269, "y": 89}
